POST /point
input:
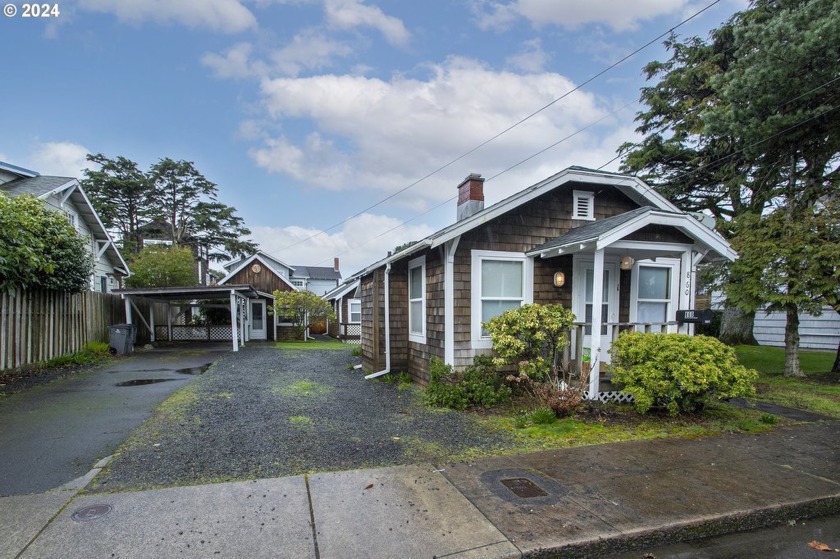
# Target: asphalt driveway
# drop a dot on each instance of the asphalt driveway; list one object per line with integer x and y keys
{"x": 55, "y": 433}
{"x": 267, "y": 412}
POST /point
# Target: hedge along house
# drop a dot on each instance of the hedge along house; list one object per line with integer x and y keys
{"x": 575, "y": 238}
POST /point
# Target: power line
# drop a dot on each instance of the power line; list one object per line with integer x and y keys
{"x": 506, "y": 130}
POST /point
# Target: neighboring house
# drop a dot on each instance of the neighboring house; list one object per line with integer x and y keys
{"x": 601, "y": 236}
{"x": 65, "y": 194}
{"x": 347, "y": 307}
{"x": 268, "y": 274}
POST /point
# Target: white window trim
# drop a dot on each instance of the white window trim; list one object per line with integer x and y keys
{"x": 417, "y": 337}
{"x": 350, "y": 311}
{"x": 477, "y": 256}
{"x": 674, "y": 289}
{"x": 590, "y": 198}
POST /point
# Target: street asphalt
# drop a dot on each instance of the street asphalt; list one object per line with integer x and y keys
{"x": 579, "y": 502}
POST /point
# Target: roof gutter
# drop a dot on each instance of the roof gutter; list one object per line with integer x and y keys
{"x": 387, "y": 368}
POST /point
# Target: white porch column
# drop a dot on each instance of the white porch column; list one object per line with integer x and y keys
{"x": 128, "y": 317}
{"x": 595, "y": 338}
{"x": 234, "y": 331}
{"x": 169, "y": 319}
{"x": 152, "y": 322}
{"x": 242, "y": 330}
{"x": 686, "y": 286}
{"x": 449, "y": 302}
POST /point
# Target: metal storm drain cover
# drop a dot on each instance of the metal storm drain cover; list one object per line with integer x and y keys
{"x": 86, "y": 514}
{"x": 524, "y": 488}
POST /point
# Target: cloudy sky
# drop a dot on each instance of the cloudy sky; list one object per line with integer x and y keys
{"x": 335, "y": 127}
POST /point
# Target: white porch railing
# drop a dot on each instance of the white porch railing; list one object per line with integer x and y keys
{"x": 573, "y": 353}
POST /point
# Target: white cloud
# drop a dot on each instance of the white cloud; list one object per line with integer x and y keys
{"x": 309, "y": 50}
{"x": 235, "y": 63}
{"x": 531, "y": 59}
{"x": 228, "y": 16}
{"x": 62, "y": 159}
{"x": 349, "y": 14}
{"x": 359, "y": 242}
{"x": 375, "y": 134}
{"x": 571, "y": 14}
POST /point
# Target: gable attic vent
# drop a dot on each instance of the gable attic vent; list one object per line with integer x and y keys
{"x": 583, "y": 206}
{"x": 470, "y": 196}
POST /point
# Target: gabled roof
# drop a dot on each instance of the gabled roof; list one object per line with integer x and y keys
{"x": 316, "y": 273}
{"x": 632, "y": 187}
{"x": 269, "y": 264}
{"x": 44, "y": 186}
{"x": 602, "y": 233}
{"x": 265, "y": 258}
{"x": 38, "y": 186}
{"x": 15, "y": 170}
{"x": 342, "y": 290}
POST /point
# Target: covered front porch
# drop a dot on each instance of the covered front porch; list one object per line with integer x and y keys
{"x": 641, "y": 266}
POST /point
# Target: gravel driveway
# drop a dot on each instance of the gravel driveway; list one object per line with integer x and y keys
{"x": 266, "y": 412}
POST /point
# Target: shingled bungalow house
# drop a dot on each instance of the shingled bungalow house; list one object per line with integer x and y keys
{"x": 577, "y": 237}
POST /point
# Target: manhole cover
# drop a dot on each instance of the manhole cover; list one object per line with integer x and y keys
{"x": 86, "y": 514}
{"x": 524, "y": 488}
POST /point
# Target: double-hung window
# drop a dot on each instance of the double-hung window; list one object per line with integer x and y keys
{"x": 417, "y": 300}
{"x": 355, "y": 309}
{"x": 500, "y": 281}
{"x": 654, "y": 292}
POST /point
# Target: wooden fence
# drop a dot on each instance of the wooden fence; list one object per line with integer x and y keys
{"x": 39, "y": 325}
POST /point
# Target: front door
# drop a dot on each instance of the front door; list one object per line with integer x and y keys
{"x": 583, "y": 305}
{"x": 258, "y": 329}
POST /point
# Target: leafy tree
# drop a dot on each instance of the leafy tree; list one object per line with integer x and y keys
{"x": 120, "y": 192}
{"x": 172, "y": 193}
{"x": 163, "y": 266}
{"x": 40, "y": 248}
{"x": 302, "y": 308}
{"x": 746, "y": 122}
{"x": 186, "y": 201}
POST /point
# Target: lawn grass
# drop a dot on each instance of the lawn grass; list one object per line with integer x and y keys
{"x": 819, "y": 392}
{"x": 312, "y": 344}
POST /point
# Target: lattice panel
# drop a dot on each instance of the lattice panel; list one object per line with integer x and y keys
{"x": 221, "y": 333}
{"x": 614, "y": 396}
{"x": 195, "y": 333}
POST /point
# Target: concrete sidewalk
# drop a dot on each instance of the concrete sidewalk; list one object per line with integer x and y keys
{"x": 581, "y": 502}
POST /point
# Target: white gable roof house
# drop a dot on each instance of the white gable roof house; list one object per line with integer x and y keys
{"x": 65, "y": 194}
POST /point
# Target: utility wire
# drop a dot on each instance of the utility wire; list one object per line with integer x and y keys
{"x": 506, "y": 130}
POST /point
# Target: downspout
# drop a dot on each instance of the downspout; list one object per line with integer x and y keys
{"x": 449, "y": 302}
{"x": 387, "y": 368}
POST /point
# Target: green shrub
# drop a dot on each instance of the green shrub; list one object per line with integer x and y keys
{"x": 678, "y": 372}
{"x": 356, "y": 351}
{"x": 480, "y": 384}
{"x": 532, "y": 337}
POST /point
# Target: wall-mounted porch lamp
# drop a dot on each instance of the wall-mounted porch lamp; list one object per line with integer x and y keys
{"x": 559, "y": 279}
{"x": 627, "y": 262}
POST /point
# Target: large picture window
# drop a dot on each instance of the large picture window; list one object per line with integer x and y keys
{"x": 417, "y": 300}
{"x": 500, "y": 281}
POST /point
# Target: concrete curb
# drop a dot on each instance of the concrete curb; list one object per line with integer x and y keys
{"x": 707, "y": 527}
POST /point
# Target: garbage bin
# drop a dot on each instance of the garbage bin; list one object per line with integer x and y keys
{"x": 122, "y": 338}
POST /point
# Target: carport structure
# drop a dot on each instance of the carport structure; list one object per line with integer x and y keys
{"x": 237, "y": 294}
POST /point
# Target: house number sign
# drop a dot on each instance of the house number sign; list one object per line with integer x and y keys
{"x": 694, "y": 316}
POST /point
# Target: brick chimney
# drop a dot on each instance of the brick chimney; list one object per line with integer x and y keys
{"x": 470, "y": 196}
{"x": 335, "y": 264}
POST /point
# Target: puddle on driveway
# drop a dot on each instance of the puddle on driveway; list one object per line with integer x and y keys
{"x": 142, "y": 381}
{"x": 194, "y": 370}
